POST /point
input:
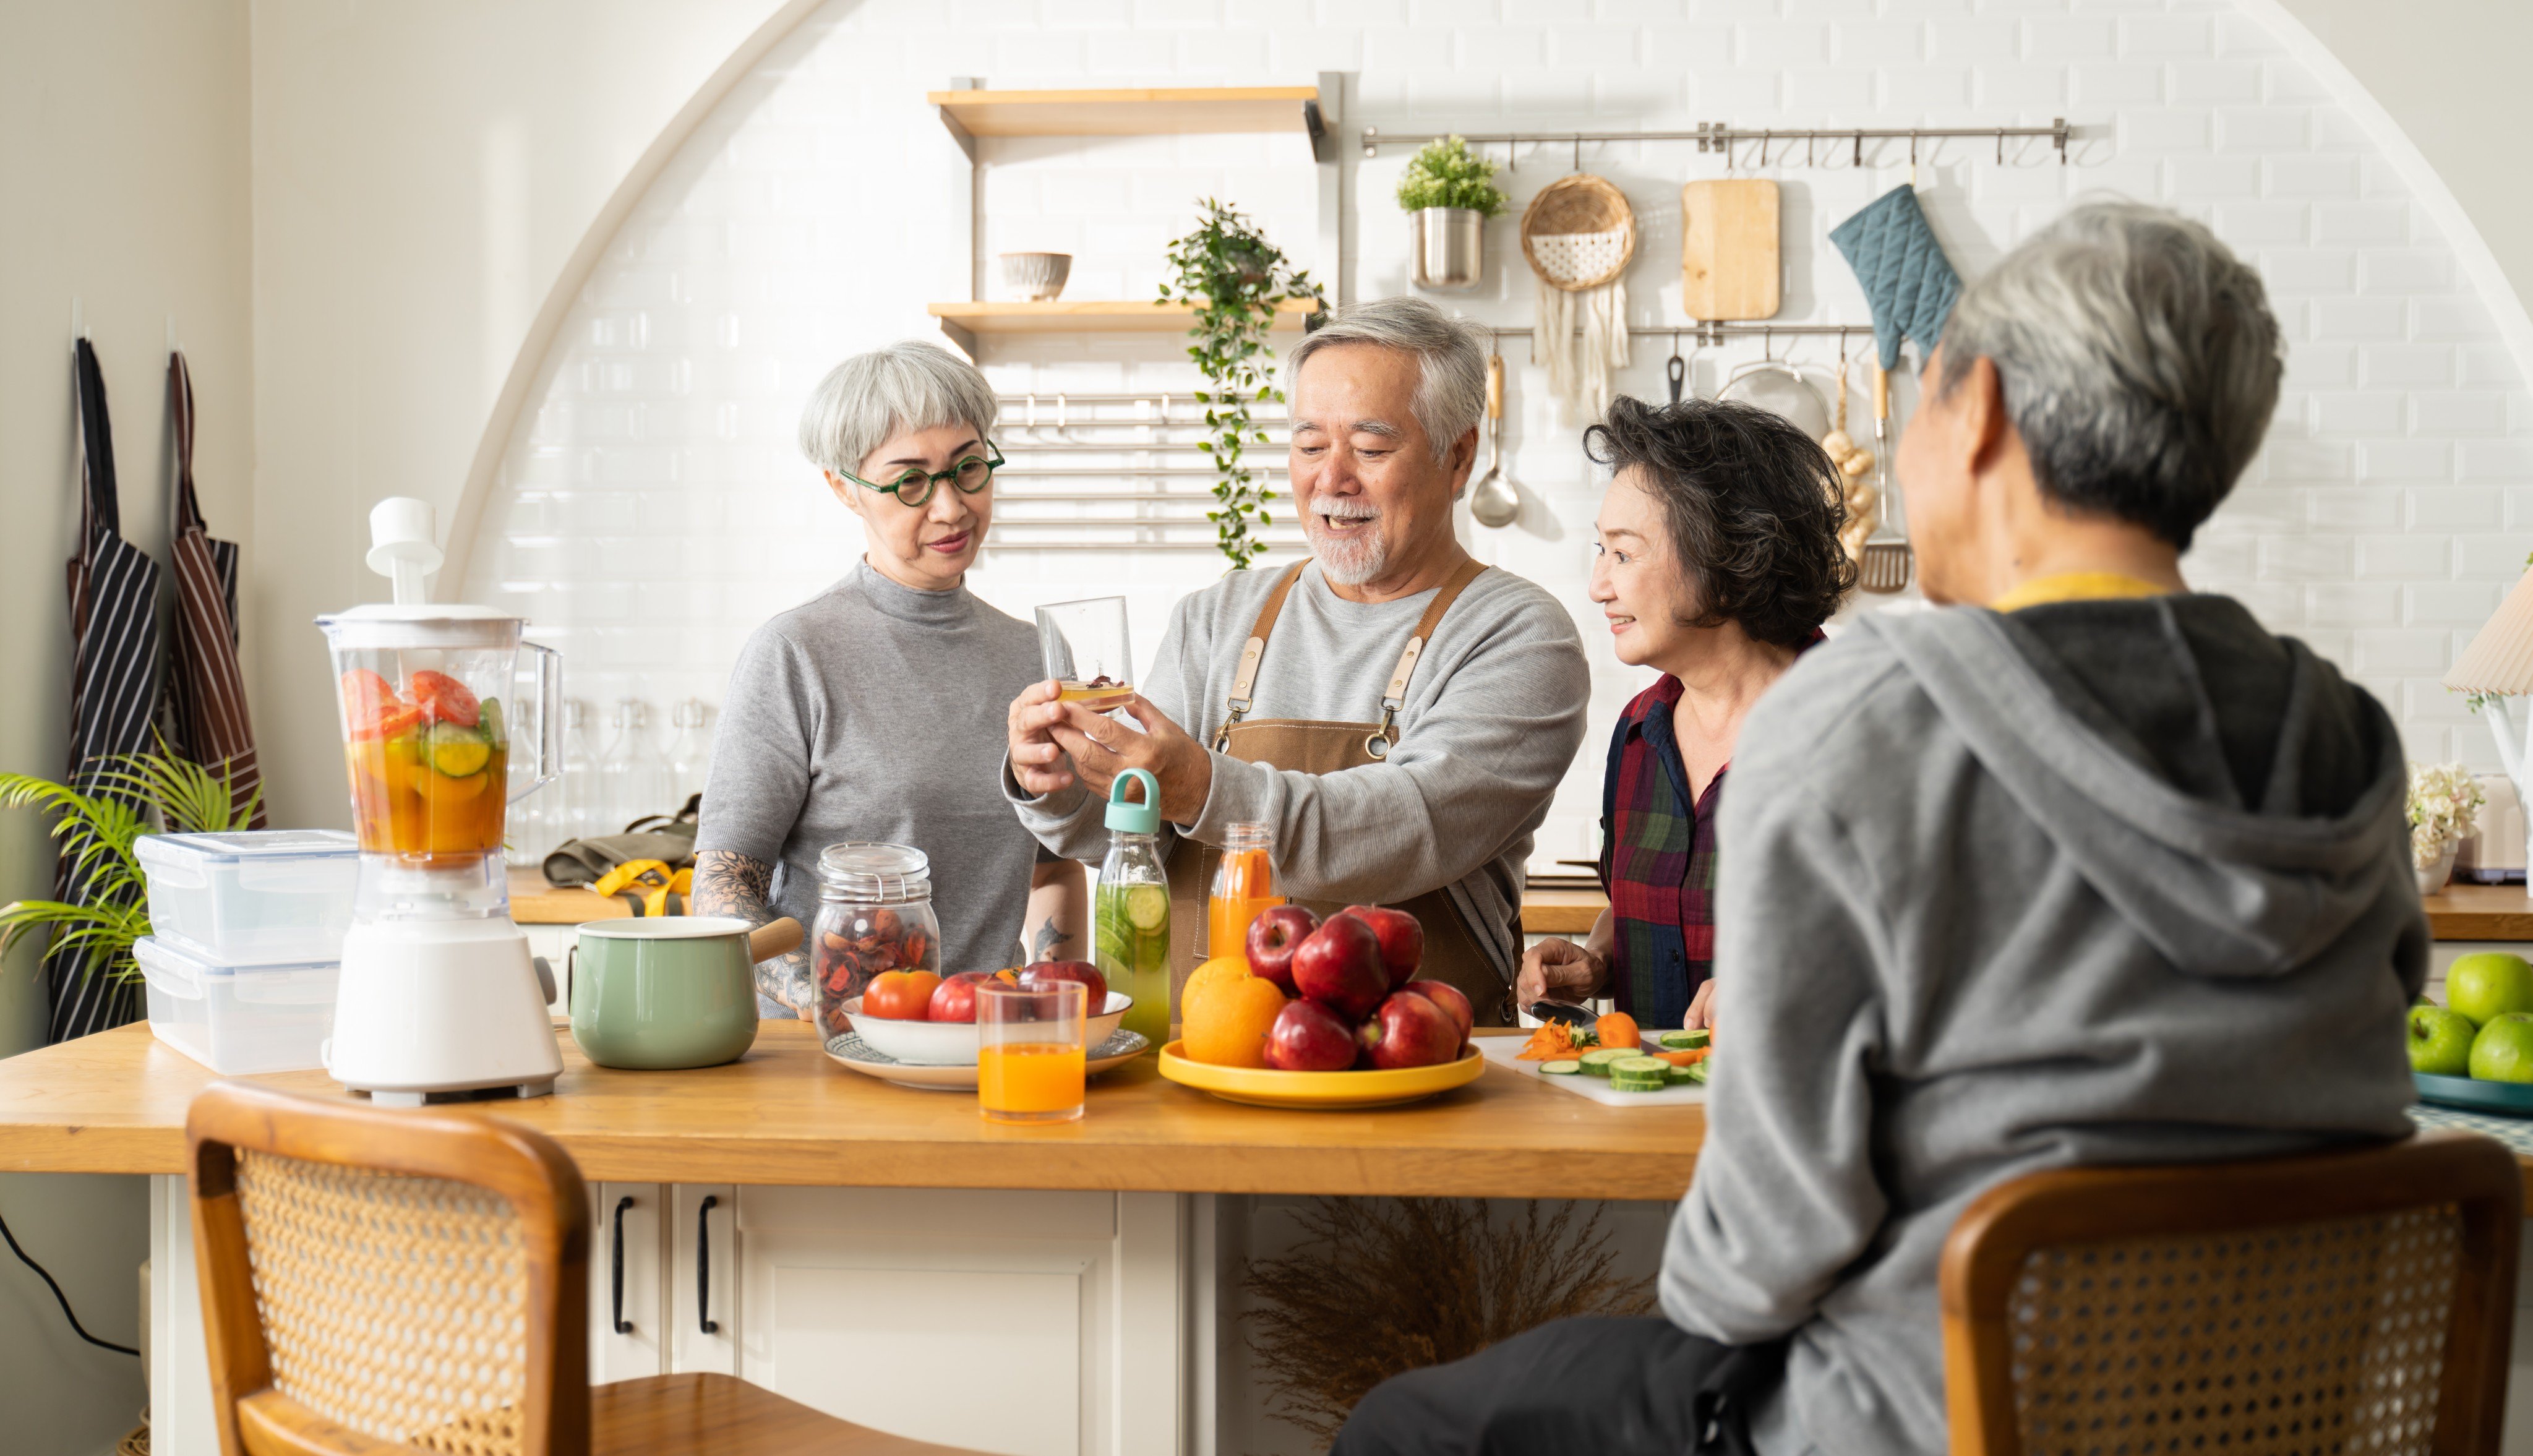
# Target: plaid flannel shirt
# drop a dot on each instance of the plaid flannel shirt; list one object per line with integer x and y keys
{"x": 1657, "y": 864}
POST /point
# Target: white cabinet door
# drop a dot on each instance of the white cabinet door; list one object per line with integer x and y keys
{"x": 704, "y": 1296}
{"x": 629, "y": 1305}
{"x": 1026, "y": 1323}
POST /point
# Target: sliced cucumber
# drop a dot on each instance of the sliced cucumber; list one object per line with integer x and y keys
{"x": 1560, "y": 1069}
{"x": 489, "y": 721}
{"x": 1148, "y": 907}
{"x": 1596, "y": 1061}
{"x": 457, "y": 752}
{"x": 1699, "y": 1072}
{"x": 1677, "y": 1076}
{"x": 1637, "y": 1085}
{"x": 1684, "y": 1041}
{"x": 1638, "y": 1065}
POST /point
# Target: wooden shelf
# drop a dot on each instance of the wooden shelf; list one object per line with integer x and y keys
{"x": 963, "y": 321}
{"x": 1131, "y": 113}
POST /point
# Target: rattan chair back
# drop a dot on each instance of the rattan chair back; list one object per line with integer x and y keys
{"x": 372, "y": 1275}
{"x": 2324, "y": 1305}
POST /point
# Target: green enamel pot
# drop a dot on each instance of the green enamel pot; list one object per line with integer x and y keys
{"x": 669, "y": 992}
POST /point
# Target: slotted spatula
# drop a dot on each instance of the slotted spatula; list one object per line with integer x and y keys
{"x": 1886, "y": 562}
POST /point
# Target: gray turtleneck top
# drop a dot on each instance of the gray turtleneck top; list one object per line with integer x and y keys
{"x": 877, "y": 712}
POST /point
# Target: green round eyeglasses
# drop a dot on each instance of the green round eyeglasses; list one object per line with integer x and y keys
{"x": 915, "y": 486}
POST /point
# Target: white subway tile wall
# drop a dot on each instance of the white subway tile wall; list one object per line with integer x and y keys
{"x": 653, "y": 509}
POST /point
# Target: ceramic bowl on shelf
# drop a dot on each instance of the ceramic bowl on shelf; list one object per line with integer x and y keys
{"x": 954, "y": 1043}
{"x": 1265, "y": 1087}
{"x": 1036, "y": 276}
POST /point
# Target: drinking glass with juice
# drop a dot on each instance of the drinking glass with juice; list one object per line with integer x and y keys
{"x": 1085, "y": 649}
{"x": 1030, "y": 1061}
{"x": 1244, "y": 886}
{"x": 1130, "y": 914}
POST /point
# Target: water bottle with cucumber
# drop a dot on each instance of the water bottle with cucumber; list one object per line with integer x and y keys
{"x": 1132, "y": 915}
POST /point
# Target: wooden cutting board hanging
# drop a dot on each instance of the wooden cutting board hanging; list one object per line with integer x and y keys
{"x": 1728, "y": 250}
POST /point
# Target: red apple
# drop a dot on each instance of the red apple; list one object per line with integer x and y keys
{"x": 1410, "y": 1032}
{"x": 1402, "y": 940}
{"x": 1273, "y": 937}
{"x": 1308, "y": 1037}
{"x": 1339, "y": 966}
{"x": 955, "y": 999}
{"x": 1094, "y": 1001}
{"x": 1448, "y": 997}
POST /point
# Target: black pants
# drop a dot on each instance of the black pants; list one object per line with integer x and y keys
{"x": 1610, "y": 1387}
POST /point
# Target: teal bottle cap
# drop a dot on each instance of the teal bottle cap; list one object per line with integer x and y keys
{"x": 1143, "y": 818}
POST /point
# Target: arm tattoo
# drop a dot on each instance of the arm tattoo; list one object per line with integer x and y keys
{"x": 1047, "y": 940}
{"x": 728, "y": 884}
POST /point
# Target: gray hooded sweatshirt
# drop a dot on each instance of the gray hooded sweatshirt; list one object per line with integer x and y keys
{"x": 2098, "y": 882}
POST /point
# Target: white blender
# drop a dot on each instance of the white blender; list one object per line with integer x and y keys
{"x": 440, "y": 996}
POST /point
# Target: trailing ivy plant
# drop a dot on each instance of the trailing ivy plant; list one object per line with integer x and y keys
{"x": 1447, "y": 174}
{"x": 1235, "y": 279}
{"x": 97, "y": 825}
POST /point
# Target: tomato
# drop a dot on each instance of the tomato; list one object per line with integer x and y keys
{"x": 444, "y": 699}
{"x": 370, "y": 707}
{"x": 901, "y": 995}
{"x": 954, "y": 1000}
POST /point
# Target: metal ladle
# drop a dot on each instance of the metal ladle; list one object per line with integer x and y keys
{"x": 1495, "y": 502}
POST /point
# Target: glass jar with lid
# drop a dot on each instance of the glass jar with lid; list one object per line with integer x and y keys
{"x": 874, "y": 915}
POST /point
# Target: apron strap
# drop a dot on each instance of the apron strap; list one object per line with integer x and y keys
{"x": 1395, "y": 696}
{"x": 180, "y": 404}
{"x": 1246, "y": 678}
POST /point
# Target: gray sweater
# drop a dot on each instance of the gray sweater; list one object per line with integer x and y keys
{"x": 2100, "y": 882}
{"x": 1492, "y": 717}
{"x": 877, "y": 712}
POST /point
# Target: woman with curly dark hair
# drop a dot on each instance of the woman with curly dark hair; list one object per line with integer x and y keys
{"x": 1718, "y": 561}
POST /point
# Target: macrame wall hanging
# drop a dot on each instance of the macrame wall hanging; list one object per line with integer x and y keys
{"x": 1579, "y": 235}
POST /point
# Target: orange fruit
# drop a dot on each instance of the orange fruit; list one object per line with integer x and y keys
{"x": 1225, "y": 1014}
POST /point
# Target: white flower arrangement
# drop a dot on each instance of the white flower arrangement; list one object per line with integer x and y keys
{"x": 2444, "y": 809}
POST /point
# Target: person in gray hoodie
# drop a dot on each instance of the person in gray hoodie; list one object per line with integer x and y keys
{"x": 2085, "y": 868}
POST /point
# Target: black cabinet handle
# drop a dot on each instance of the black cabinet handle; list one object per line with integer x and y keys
{"x": 615, "y": 1277}
{"x": 703, "y": 1265}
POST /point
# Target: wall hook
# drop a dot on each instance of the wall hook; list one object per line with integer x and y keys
{"x": 1579, "y": 151}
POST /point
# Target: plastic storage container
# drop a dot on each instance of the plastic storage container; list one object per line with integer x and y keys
{"x": 253, "y": 899}
{"x": 238, "y": 1019}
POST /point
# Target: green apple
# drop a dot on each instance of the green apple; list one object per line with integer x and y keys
{"x": 2504, "y": 1049}
{"x": 2441, "y": 1040}
{"x": 2489, "y": 984}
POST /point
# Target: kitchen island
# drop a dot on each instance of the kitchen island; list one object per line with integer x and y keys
{"x": 874, "y": 1251}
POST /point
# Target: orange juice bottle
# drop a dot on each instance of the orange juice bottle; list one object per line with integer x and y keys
{"x": 1244, "y": 886}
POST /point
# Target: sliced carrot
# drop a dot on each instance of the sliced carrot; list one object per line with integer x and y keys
{"x": 1618, "y": 1029}
{"x": 1689, "y": 1058}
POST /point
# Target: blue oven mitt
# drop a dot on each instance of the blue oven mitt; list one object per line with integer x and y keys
{"x": 1908, "y": 282}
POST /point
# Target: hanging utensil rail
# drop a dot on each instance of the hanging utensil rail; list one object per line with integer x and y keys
{"x": 1724, "y": 137}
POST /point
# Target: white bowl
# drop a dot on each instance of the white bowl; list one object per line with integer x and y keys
{"x": 1036, "y": 276}
{"x": 954, "y": 1043}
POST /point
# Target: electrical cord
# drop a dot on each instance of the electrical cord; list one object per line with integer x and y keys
{"x": 60, "y": 1297}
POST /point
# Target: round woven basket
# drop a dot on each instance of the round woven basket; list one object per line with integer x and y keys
{"x": 1565, "y": 233}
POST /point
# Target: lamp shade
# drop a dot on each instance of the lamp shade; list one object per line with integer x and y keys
{"x": 2501, "y": 658}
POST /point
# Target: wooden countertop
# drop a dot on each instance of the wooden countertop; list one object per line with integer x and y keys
{"x": 533, "y": 902}
{"x": 115, "y": 1103}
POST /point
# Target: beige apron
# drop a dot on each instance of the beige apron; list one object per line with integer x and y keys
{"x": 1452, "y": 952}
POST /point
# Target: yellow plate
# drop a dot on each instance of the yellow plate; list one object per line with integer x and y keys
{"x": 1263, "y": 1086}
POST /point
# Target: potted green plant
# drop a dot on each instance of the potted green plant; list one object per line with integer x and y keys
{"x": 1449, "y": 193}
{"x": 1235, "y": 279}
{"x": 97, "y": 823}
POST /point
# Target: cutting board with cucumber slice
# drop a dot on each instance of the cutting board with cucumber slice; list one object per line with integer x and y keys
{"x": 1583, "y": 1082}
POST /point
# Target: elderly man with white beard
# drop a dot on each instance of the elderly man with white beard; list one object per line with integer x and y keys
{"x": 1397, "y": 714}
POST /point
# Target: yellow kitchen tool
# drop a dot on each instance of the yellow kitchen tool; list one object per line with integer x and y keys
{"x": 1728, "y": 250}
{"x": 1265, "y": 1087}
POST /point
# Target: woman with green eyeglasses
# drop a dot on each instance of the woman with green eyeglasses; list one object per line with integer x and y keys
{"x": 875, "y": 711}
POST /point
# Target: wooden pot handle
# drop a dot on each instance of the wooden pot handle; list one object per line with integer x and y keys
{"x": 777, "y": 938}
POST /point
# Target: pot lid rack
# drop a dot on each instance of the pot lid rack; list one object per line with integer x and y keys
{"x": 1724, "y": 137}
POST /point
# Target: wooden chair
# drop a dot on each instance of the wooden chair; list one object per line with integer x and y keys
{"x": 2356, "y": 1302}
{"x": 376, "y": 1280}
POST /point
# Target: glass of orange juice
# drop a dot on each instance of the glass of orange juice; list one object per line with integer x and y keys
{"x": 1030, "y": 1052}
{"x": 1085, "y": 649}
{"x": 1244, "y": 884}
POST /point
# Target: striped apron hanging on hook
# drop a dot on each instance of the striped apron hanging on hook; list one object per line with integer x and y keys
{"x": 206, "y": 692}
{"x": 114, "y": 698}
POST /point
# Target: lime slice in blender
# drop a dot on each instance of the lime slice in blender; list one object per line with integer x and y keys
{"x": 1148, "y": 907}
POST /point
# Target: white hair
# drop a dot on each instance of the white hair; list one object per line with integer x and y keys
{"x": 872, "y": 398}
{"x": 1450, "y": 361}
{"x": 2138, "y": 357}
